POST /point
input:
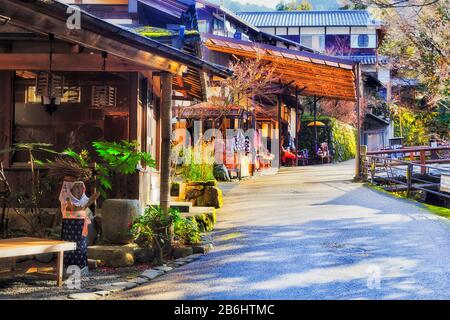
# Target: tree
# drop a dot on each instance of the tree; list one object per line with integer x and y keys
{"x": 385, "y": 4}
{"x": 251, "y": 78}
{"x": 343, "y": 111}
{"x": 417, "y": 41}
{"x": 303, "y": 5}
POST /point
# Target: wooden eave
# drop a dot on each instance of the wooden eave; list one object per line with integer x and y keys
{"x": 44, "y": 18}
{"x": 324, "y": 78}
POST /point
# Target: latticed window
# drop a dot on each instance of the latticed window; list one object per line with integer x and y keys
{"x": 363, "y": 40}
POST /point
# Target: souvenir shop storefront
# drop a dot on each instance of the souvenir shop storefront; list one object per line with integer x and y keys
{"x": 241, "y": 138}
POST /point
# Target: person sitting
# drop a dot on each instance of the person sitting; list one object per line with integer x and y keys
{"x": 287, "y": 155}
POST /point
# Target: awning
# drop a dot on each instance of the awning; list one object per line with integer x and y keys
{"x": 208, "y": 110}
{"x": 319, "y": 74}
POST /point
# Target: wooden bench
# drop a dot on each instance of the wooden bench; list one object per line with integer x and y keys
{"x": 17, "y": 247}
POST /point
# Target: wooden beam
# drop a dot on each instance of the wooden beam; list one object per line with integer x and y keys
{"x": 181, "y": 98}
{"x": 41, "y": 23}
{"x": 66, "y": 62}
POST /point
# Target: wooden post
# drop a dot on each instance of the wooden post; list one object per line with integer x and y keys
{"x": 59, "y": 268}
{"x": 409, "y": 174}
{"x": 279, "y": 125}
{"x": 423, "y": 162}
{"x": 166, "y": 132}
{"x": 364, "y": 162}
{"x": 358, "y": 121}
{"x": 315, "y": 128}
{"x": 297, "y": 125}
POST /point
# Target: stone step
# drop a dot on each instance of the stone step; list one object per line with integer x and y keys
{"x": 182, "y": 206}
{"x": 201, "y": 210}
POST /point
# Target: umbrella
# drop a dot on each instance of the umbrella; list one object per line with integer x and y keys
{"x": 316, "y": 124}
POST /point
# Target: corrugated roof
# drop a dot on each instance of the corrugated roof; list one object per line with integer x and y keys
{"x": 310, "y": 18}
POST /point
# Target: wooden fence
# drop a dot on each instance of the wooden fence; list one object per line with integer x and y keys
{"x": 408, "y": 169}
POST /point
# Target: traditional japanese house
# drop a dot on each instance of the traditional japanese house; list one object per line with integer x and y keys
{"x": 215, "y": 34}
{"x": 350, "y": 34}
{"x": 68, "y": 78}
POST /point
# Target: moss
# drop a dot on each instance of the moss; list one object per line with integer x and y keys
{"x": 440, "y": 211}
{"x": 220, "y": 196}
{"x": 206, "y": 221}
{"x": 153, "y": 32}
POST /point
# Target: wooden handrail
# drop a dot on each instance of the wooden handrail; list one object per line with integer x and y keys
{"x": 408, "y": 150}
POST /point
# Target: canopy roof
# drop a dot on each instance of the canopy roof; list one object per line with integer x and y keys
{"x": 317, "y": 74}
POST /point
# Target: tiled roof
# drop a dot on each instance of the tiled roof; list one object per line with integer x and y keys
{"x": 369, "y": 59}
{"x": 330, "y": 18}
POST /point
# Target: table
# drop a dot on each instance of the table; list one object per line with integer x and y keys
{"x": 16, "y": 247}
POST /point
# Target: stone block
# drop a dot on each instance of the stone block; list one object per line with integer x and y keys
{"x": 182, "y": 252}
{"x": 117, "y": 217}
{"x": 112, "y": 256}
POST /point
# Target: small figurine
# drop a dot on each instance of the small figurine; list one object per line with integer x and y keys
{"x": 75, "y": 213}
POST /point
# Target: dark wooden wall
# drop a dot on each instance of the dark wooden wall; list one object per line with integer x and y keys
{"x": 6, "y": 88}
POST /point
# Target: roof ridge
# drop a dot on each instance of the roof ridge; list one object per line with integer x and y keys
{"x": 302, "y": 11}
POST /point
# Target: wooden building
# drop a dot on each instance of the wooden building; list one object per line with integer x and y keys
{"x": 68, "y": 86}
{"x": 219, "y": 36}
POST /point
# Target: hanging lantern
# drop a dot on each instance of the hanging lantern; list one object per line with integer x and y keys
{"x": 105, "y": 95}
{"x": 50, "y": 87}
{"x": 72, "y": 91}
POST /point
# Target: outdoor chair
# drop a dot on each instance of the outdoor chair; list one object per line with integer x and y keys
{"x": 324, "y": 152}
{"x": 303, "y": 156}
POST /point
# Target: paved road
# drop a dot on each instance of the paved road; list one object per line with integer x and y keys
{"x": 309, "y": 233}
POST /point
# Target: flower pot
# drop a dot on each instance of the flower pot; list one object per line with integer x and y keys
{"x": 117, "y": 217}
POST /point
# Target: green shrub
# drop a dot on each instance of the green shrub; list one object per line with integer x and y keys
{"x": 343, "y": 141}
{"x": 341, "y": 137}
{"x": 198, "y": 163}
{"x": 153, "y": 228}
{"x": 416, "y": 127}
{"x": 187, "y": 231}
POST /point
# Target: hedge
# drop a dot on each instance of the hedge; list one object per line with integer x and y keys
{"x": 341, "y": 137}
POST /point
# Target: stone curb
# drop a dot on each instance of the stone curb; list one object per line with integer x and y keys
{"x": 104, "y": 290}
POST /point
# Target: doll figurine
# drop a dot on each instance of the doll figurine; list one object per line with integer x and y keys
{"x": 75, "y": 220}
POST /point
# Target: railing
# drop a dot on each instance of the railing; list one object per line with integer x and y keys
{"x": 399, "y": 174}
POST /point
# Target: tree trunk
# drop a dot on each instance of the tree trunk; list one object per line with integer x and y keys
{"x": 166, "y": 132}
